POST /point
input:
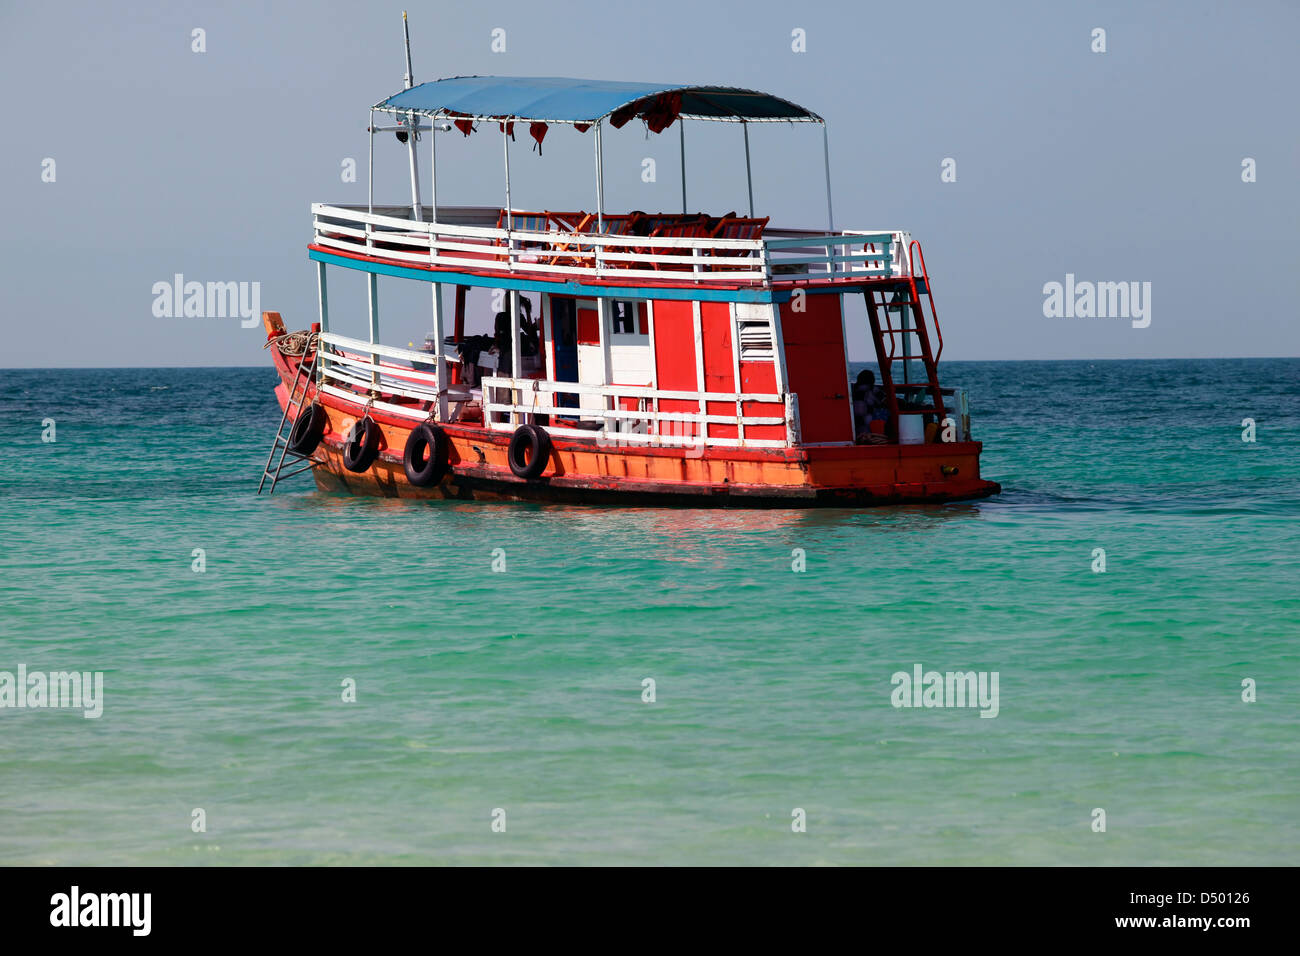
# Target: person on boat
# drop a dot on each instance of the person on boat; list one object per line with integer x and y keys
{"x": 868, "y": 403}
{"x": 501, "y": 338}
{"x": 528, "y": 335}
{"x": 470, "y": 349}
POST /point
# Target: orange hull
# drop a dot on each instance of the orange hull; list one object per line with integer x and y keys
{"x": 581, "y": 470}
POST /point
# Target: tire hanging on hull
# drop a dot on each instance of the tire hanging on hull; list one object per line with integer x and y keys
{"x": 530, "y": 449}
{"x": 307, "y": 430}
{"x": 430, "y": 439}
{"x": 362, "y": 446}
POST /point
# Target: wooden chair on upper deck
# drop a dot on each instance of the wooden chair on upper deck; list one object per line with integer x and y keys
{"x": 620, "y": 224}
{"x": 696, "y": 228}
{"x": 568, "y": 221}
{"x": 736, "y": 227}
{"x": 564, "y": 254}
{"x": 524, "y": 222}
{"x": 648, "y": 223}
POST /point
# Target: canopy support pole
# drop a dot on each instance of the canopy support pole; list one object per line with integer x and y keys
{"x": 370, "y": 171}
{"x": 505, "y": 148}
{"x": 515, "y": 358}
{"x": 681, "y": 130}
{"x": 439, "y": 352}
{"x": 600, "y": 183}
{"x": 826, "y": 153}
{"x": 416, "y": 213}
{"x": 433, "y": 172}
{"x": 749, "y": 178}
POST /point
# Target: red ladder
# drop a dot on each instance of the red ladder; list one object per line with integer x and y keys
{"x": 903, "y": 297}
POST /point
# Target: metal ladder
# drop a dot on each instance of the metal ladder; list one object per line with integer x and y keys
{"x": 306, "y": 375}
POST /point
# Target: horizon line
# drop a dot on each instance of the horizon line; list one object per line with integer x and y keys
{"x": 268, "y": 367}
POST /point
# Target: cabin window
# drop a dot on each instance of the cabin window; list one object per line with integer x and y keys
{"x": 627, "y": 323}
{"x": 629, "y": 343}
{"x": 624, "y": 318}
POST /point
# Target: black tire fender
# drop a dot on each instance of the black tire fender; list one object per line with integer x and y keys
{"x": 425, "y": 439}
{"x": 361, "y": 445}
{"x": 307, "y": 430}
{"x": 530, "y": 450}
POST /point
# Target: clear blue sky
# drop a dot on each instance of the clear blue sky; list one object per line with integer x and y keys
{"x": 1115, "y": 166}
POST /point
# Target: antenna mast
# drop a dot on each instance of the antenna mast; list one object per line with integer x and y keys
{"x": 412, "y": 123}
{"x": 406, "y": 32}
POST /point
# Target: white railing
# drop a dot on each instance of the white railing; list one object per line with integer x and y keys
{"x": 352, "y": 369}
{"x": 508, "y": 402}
{"x": 852, "y": 253}
{"x": 782, "y": 255}
{"x": 349, "y": 364}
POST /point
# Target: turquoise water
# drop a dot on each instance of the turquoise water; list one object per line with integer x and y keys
{"x": 522, "y": 690}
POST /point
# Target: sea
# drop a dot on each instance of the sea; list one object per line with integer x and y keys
{"x": 310, "y": 678}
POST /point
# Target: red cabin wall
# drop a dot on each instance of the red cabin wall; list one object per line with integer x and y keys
{"x": 761, "y": 377}
{"x": 675, "y": 355}
{"x": 719, "y": 369}
{"x": 816, "y": 368}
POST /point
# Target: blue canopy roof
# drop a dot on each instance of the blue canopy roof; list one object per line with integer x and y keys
{"x": 557, "y": 99}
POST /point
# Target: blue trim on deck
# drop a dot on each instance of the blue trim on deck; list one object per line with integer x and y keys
{"x": 569, "y": 287}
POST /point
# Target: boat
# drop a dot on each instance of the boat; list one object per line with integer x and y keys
{"x": 693, "y": 358}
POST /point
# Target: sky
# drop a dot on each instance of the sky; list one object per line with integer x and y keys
{"x": 1122, "y": 165}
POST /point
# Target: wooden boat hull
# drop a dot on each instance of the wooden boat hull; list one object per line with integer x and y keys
{"x": 584, "y": 471}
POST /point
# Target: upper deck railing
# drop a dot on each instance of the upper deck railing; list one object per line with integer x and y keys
{"x": 467, "y": 239}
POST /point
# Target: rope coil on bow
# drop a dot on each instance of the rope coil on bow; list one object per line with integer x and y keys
{"x": 294, "y": 343}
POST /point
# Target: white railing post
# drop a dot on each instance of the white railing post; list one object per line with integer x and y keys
{"x": 605, "y": 326}
{"x": 372, "y": 299}
{"x": 735, "y": 372}
{"x": 439, "y": 352}
{"x": 323, "y": 293}
{"x": 697, "y": 328}
{"x": 792, "y": 426}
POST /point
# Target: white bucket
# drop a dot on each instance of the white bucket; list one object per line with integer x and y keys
{"x": 911, "y": 429}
